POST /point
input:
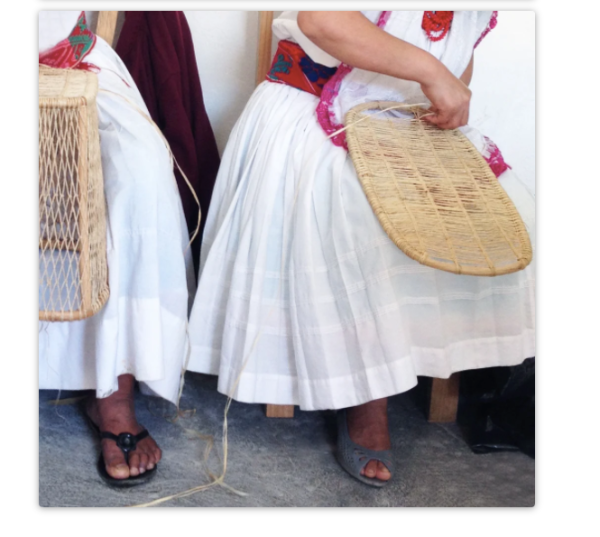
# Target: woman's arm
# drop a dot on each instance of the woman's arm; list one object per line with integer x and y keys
{"x": 351, "y": 38}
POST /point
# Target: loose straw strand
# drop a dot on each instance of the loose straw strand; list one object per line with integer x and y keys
{"x": 225, "y": 443}
{"x": 171, "y": 156}
{"x": 225, "y": 429}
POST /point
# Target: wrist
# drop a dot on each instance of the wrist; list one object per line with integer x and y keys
{"x": 430, "y": 70}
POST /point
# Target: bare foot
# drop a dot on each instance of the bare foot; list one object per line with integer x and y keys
{"x": 116, "y": 414}
{"x": 368, "y": 427}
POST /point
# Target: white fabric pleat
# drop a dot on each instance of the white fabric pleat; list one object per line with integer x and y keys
{"x": 350, "y": 318}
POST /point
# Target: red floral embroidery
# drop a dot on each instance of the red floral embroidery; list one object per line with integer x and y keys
{"x": 70, "y": 52}
{"x": 437, "y": 24}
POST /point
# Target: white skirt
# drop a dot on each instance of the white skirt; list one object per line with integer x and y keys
{"x": 142, "y": 329}
{"x": 303, "y": 299}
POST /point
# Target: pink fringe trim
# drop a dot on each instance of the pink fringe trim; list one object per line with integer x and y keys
{"x": 494, "y": 158}
{"x": 491, "y": 25}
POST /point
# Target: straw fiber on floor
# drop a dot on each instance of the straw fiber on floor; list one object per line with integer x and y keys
{"x": 277, "y": 462}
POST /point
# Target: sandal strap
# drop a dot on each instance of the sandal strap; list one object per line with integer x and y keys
{"x": 362, "y": 456}
{"x": 126, "y": 442}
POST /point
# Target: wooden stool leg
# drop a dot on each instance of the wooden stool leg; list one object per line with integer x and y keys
{"x": 262, "y": 66}
{"x": 265, "y": 36}
{"x": 443, "y": 402}
{"x": 280, "y": 411}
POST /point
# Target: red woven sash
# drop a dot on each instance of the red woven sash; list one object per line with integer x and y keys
{"x": 293, "y": 67}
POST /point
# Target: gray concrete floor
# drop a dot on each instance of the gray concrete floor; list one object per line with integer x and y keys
{"x": 277, "y": 462}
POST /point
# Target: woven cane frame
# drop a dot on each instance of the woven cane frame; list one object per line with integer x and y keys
{"x": 73, "y": 272}
{"x": 434, "y": 194}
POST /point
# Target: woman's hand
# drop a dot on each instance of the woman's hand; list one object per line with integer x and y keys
{"x": 450, "y": 100}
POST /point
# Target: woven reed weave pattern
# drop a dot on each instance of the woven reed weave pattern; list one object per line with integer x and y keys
{"x": 435, "y": 195}
{"x": 73, "y": 274}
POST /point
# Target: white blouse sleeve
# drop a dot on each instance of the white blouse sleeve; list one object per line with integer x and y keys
{"x": 286, "y": 27}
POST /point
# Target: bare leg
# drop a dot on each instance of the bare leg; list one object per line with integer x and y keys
{"x": 368, "y": 427}
{"x": 116, "y": 414}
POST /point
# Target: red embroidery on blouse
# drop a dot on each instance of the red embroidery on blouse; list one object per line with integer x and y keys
{"x": 437, "y": 24}
{"x": 70, "y": 52}
{"x": 325, "y": 113}
{"x": 491, "y": 25}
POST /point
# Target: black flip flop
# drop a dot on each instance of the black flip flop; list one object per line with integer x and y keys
{"x": 127, "y": 443}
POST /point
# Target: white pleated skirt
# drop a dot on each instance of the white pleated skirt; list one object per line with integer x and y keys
{"x": 303, "y": 299}
{"x": 142, "y": 329}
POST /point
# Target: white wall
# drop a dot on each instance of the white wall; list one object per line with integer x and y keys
{"x": 503, "y": 85}
{"x": 226, "y": 44}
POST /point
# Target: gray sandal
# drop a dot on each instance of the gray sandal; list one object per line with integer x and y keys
{"x": 353, "y": 458}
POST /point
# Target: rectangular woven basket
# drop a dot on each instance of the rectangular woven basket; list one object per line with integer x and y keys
{"x": 73, "y": 272}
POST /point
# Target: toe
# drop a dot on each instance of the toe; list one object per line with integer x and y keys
{"x": 370, "y": 470}
{"x": 114, "y": 461}
{"x": 118, "y": 471}
{"x": 143, "y": 462}
{"x": 134, "y": 464}
{"x": 154, "y": 455}
{"x": 382, "y": 472}
{"x": 157, "y": 455}
{"x": 116, "y": 466}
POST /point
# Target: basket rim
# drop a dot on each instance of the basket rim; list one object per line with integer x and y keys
{"x": 76, "y": 85}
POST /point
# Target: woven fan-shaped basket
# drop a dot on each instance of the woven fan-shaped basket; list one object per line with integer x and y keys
{"x": 434, "y": 194}
{"x": 73, "y": 273}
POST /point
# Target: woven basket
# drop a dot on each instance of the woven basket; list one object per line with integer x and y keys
{"x": 434, "y": 194}
{"x": 73, "y": 274}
